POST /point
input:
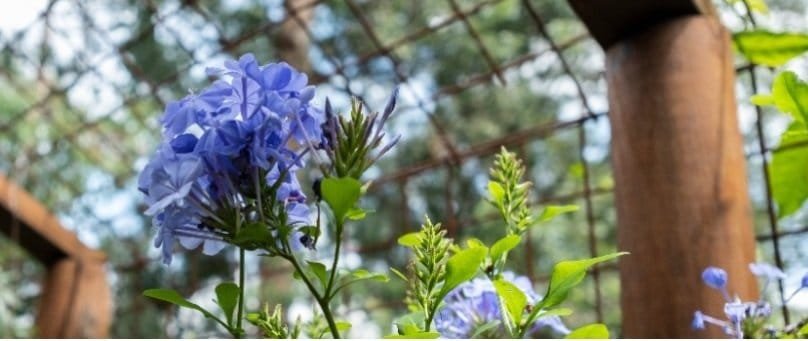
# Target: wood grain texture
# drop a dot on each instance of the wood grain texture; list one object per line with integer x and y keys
{"x": 679, "y": 168}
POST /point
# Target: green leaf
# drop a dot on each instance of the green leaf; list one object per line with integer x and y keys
{"x": 504, "y": 245}
{"x": 410, "y": 239}
{"x": 410, "y": 324}
{"x": 253, "y": 236}
{"x": 513, "y": 299}
{"x": 461, "y": 267}
{"x": 762, "y": 100}
{"x": 791, "y": 95}
{"x": 568, "y": 274}
{"x": 556, "y": 312}
{"x": 474, "y": 242}
{"x": 789, "y": 171}
{"x": 399, "y": 274}
{"x": 553, "y": 211}
{"x": 803, "y": 332}
{"x": 341, "y": 194}
{"x": 481, "y": 330}
{"x": 320, "y": 271}
{"x": 769, "y": 48}
{"x": 356, "y": 214}
{"x": 417, "y": 335}
{"x": 364, "y": 274}
{"x": 343, "y": 325}
{"x": 496, "y": 192}
{"x": 173, "y": 297}
{"x": 589, "y": 331}
{"x": 227, "y": 298}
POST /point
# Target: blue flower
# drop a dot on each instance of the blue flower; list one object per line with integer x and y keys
{"x": 221, "y": 145}
{"x": 804, "y": 282}
{"x": 767, "y": 271}
{"x": 475, "y": 303}
{"x": 698, "y": 320}
{"x": 714, "y": 277}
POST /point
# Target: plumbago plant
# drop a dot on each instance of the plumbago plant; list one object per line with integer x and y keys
{"x": 225, "y": 176}
{"x": 466, "y": 292}
{"x": 749, "y": 319}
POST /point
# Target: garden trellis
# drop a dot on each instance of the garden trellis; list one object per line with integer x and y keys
{"x": 95, "y": 138}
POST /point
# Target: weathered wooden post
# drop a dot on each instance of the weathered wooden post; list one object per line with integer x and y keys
{"x": 679, "y": 168}
{"x": 75, "y": 301}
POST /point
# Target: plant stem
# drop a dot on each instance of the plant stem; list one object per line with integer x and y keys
{"x": 322, "y": 301}
{"x": 338, "y": 244}
{"x": 241, "y": 291}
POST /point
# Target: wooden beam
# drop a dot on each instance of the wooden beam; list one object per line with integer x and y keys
{"x": 681, "y": 190}
{"x": 75, "y": 301}
{"x": 36, "y": 229}
{"x": 610, "y": 21}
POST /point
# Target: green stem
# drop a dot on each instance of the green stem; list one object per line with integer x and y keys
{"x": 338, "y": 244}
{"x": 241, "y": 292}
{"x": 321, "y": 301}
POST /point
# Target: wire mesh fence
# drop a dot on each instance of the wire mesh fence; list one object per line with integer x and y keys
{"x": 83, "y": 83}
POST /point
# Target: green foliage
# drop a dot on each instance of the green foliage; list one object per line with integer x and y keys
{"x": 568, "y": 274}
{"x": 508, "y": 193}
{"x": 227, "y": 298}
{"x": 504, "y": 245}
{"x": 173, "y": 297}
{"x": 789, "y": 166}
{"x": 550, "y": 212}
{"x": 462, "y": 267}
{"x": 590, "y": 331}
{"x": 272, "y": 325}
{"x": 770, "y": 49}
{"x": 789, "y": 95}
{"x": 432, "y": 268}
{"x": 513, "y": 301}
{"x": 789, "y": 171}
{"x": 341, "y": 194}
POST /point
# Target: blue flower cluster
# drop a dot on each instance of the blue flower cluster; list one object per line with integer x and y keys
{"x": 736, "y": 310}
{"x": 223, "y": 147}
{"x": 474, "y": 304}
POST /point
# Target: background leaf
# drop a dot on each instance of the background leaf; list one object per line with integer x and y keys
{"x": 770, "y": 49}
{"x": 341, "y": 194}
{"x": 789, "y": 171}
{"x": 173, "y": 297}
{"x": 590, "y": 331}
{"x": 553, "y": 211}
{"x": 227, "y": 299}
{"x": 320, "y": 271}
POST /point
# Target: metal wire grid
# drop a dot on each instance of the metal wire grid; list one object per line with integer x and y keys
{"x": 455, "y": 157}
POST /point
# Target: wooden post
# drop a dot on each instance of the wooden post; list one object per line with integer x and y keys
{"x": 75, "y": 301}
{"x": 679, "y": 168}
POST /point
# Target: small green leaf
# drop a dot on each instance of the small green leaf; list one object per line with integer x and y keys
{"x": 343, "y": 325}
{"x": 568, "y": 274}
{"x": 474, "y": 242}
{"x": 769, "y": 48}
{"x": 791, "y": 95}
{"x": 341, "y": 194}
{"x": 461, "y": 267}
{"x": 556, "y": 312}
{"x": 803, "y": 332}
{"x": 513, "y": 299}
{"x": 496, "y": 192}
{"x": 590, "y": 331}
{"x": 417, "y": 335}
{"x": 789, "y": 171}
{"x": 481, "y": 330}
{"x": 504, "y": 245}
{"x": 364, "y": 274}
{"x": 410, "y": 324}
{"x": 410, "y": 239}
{"x": 253, "y": 236}
{"x": 320, "y": 271}
{"x": 762, "y": 100}
{"x": 227, "y": 298}
{"x": 173, "y": 297}
{"x": 553, "y": 211}
{"x": 399, "y": 274}
{"x": 356, "y": 214}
